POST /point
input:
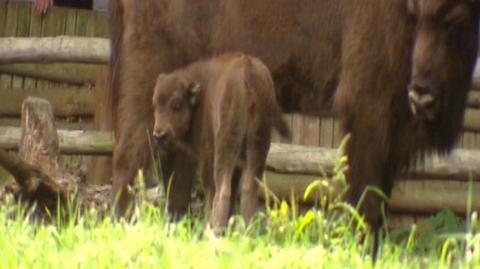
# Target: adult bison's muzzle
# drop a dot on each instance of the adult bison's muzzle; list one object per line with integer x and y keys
{"x": 423, "y": 100}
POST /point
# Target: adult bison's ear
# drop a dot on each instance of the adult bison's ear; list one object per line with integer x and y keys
{"x": 193, "y": 92}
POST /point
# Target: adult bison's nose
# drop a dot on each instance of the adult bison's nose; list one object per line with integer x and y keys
{"x": 423, "y": 101}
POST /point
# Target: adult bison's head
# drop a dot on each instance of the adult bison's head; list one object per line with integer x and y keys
{"x": 444, "y": 55}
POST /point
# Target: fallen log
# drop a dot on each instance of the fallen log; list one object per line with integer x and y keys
{"x": 54, "y": 49}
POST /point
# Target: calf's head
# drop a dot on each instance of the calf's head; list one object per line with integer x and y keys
{"x": 444, "y": 55}
{"x": 174, "y": 99}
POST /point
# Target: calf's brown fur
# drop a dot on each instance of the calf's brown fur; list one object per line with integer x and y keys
{"x": 222, "y": 109}
{"x": 396, "y": 72}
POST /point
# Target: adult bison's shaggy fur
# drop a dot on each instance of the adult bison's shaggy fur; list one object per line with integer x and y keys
{"x": 396, "y": 72}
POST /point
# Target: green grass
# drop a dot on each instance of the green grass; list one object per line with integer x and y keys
{"x": 281, "y": 236}
{"x": 276, "y": 240}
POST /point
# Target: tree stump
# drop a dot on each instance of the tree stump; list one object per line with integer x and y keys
{"x": 35, "y": 169}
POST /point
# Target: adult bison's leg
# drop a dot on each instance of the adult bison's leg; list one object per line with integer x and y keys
{"x": 367, "y": 114}
{"x": 371, "y": 100}
{"x": 130, "y": 155}
{"x": 368, "y": 158}
{"x": 179, "y": 186}
{"x": 134, "y": 122}
{"x": 141, "y": 50}
{"x": 366, "y": 169}
{"x": 134, "y": 117}
{"x": 375, "y": 151}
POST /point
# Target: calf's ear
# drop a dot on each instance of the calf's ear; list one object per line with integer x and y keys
{"x": 161, "y": 76}
{"x": 194, "y": 90}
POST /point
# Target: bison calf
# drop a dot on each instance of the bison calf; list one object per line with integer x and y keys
{"x": 222, "y": 110}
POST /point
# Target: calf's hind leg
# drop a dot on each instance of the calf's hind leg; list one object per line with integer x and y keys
{"x": 227, "y": 152}
{"x": 258, "y": 145}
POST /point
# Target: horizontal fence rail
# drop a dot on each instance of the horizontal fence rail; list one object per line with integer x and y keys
{"x": 54, "y": 49}
{"x": 291, "y": 168}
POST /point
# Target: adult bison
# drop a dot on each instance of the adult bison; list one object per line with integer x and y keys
{"x": 396, "y": 72}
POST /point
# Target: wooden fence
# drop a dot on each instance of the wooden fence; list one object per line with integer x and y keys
{"x": 69, "y": 87}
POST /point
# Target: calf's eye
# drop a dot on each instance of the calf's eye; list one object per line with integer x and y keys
{"x": 176, "y": 106}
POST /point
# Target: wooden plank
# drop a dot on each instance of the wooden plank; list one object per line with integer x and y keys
{"x": 337, "y": 133}
{"x": 474, "y": 99}
{"x": 312, "y": 131}
{"x": 54, "y": 22}
{"x": 477, "y": 140}
{"x": 17, "y": 82}
{"x": 23, "y": 20}
{"x": 42, "y": 82}
{"x": 289, "y": 120}
{"x": 3, "y": 16}
{"x": 100, "y": 168}
{"x": 81, "y": 26}
{"x": 9, "y": 29}
{"x": 101, "y": 24}
{"x": 326, "y": 132}
{"x": 35, "y": 30}
{"x": 471, "y": 121}
{"x": 90, "y": 24}
{"x": 69, "y": 73}
{"x": 54, "y": 25}
{"x": 5, "y": 81}
{"x": 71, "y": 20}
{"x": 297, "y": 129}
{"x": 433, "y": 195}
{"x": 22, "y": 30}
{"x": 65, "y": 101}
{"x": 468, "y": 141}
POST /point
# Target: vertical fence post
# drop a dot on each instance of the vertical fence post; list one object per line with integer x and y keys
{"x": 100, "y": 168}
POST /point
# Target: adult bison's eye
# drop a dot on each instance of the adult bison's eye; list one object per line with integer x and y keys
{"x": 176, "y": 106}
